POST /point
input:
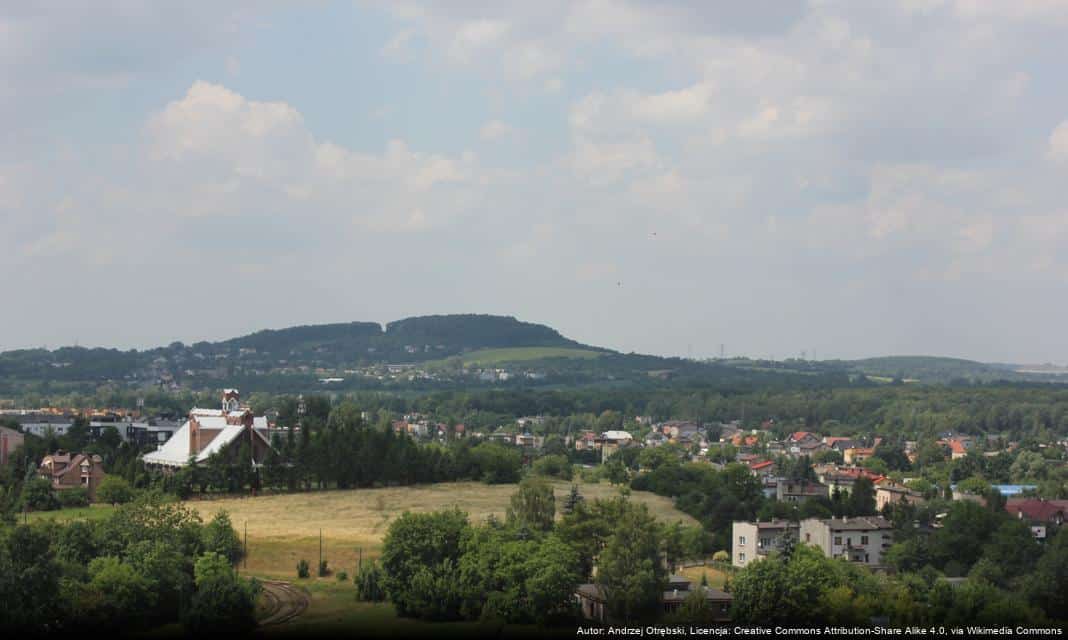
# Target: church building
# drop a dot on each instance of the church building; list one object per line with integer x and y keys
{"x": 210, "y": 431}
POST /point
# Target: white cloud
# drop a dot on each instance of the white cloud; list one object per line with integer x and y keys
{"x": 495, "y": 130}
{"x": 603, "y": 163}
{"x": 1058, "y": 142}
{"x": 234, "y": 152}
{"x": 475, "y": 35}
{"x": 673, "y": 106}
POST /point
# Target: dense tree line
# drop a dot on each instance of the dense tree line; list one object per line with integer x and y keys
{"x": 150, "y": 562}
{"x": 437, "y": 566}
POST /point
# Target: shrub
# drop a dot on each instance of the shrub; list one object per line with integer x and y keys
{"x": 369, "y": 583}
{"x": 122, "y": 593}
{"x": 223, "y": 601}
{"x": 303, "y": 569}
{"x": 721, "y": 556}
{"x": 114, "y": 490}
{"x": 220, "y": 537}
{"x": 555, "y": 466}
{"x": 342, "y": 576}
{"x": 323, "y": 571}
{"x": 71, "y": 498}
{"x": 37, "y": 495}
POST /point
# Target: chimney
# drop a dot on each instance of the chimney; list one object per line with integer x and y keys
{"x": 194, "y": 436}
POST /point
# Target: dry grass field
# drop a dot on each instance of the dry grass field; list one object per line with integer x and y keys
{"x": 282, "y": 529}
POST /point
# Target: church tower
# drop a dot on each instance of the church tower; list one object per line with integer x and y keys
{"x": 231, "y": 400}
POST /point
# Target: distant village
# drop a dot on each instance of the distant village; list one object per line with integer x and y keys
{"x": 172, "y": 443}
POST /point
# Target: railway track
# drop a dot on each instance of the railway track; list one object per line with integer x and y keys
{"x": 283, "y": 602}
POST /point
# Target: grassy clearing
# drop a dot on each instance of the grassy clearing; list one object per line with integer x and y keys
{"x": 282, "y": 529}
{"x": 92, "y": 512}
{"x": 716, "y": 578}
{"x": 519, "y": 354}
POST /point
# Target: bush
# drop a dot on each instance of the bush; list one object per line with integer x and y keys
{"x": 37, "y": 495}
{"x": 342, "y": 576}
{"x": 122, "y": 594}
{"x": 72, "y": 498}
{"x": 553, "y": 466}
{"x": 114, "y": 490}
{"x": 223, "y": 601}
{"x": 368, "y": 581}
{"x": 303, "y": 569}
{"x": 323, "y": 571}
{"x": 220, "y": 537}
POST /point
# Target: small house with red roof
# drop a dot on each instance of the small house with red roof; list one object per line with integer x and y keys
{"x": 1039, "y": 513}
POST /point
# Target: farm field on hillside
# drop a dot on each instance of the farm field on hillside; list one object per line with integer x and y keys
{"x": 519, "y": 354}
{"x": 282, "y": 529}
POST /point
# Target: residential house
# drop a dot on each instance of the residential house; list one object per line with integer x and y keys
{"x": 857, "y": 539}
{"x": 744, "y": 441}
{"x": 803, "y": 443}
{"x": 210, "y": 431}
{"x": 839, "y": 443}
{"x": 67, "y": 470}
{"x": 528, "y": 440}
{"x": 957, "y": 449}
{"x": 799, "y": 491}
{"x": 501, "y": 437}
{"x": 678, "y": 429}
{"x": 856, "y": 455}
{"x": 888, "y": 492}
{"x": 842, "y": 478}
{"x": 762, "y": 468}
{"x": 755, "y": 540}
{"x": 612, "y": 441}
{"x": 592, "y": 600}
{"x": 766, "y": 472}
{"x": 586, "y": 441}
{"x": 655, "y": 439}
{"x": 1039, "y": 513}
{"x": 802, "y": 437}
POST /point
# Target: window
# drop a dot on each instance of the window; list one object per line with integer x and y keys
{"x": 764, "y": 542}
{"x": 838, "y": 539}
{"x": 741, "y": 557}
{"x": 741, "y": 541}
{"x": 863, "y": 539}
{"x": 808, "y": 537}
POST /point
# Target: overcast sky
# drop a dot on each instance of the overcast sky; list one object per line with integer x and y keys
{"x": 846, "y": 178}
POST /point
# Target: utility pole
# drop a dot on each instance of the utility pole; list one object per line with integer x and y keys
{"x": 246, "y": 544}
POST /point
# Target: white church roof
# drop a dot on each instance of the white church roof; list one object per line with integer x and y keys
{"x": 175, "y": 452}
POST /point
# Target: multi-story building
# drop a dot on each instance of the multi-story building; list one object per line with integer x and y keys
{"x": 799, "y": 491}
{"x": 755, "y": 540}
{"x": 888, "y": 492}
{"x": 861, "y": 539}
{"x": 10, "y": 440}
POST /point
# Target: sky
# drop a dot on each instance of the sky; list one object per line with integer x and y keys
{"x": 835, "y": 177}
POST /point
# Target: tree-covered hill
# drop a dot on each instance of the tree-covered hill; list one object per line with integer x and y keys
{"x": 448, "y": 351}
{"x": 295, "y": 350}
{"x": 942, "y": 370}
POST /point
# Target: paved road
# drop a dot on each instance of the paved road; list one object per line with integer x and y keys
{"x": 284, "y": 602}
